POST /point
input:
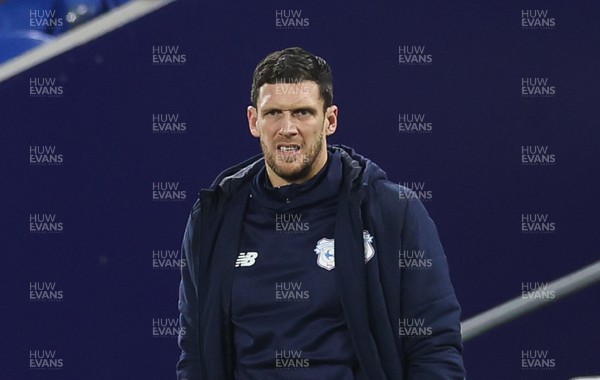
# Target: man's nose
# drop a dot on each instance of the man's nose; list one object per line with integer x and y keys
{"x": 288, "y": 124}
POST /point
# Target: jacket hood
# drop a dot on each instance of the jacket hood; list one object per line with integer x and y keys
{"x": 358, "y": 171}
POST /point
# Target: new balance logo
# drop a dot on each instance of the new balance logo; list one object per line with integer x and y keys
{"x": 246, "y": 259}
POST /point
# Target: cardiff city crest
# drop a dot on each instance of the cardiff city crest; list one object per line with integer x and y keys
{"x": 326, "y": 253}
{"x": 369, "y": 250}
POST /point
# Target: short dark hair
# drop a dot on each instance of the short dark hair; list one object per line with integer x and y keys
{"x": 293, "y": 63}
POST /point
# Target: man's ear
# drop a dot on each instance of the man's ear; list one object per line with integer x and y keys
{"x": 331, "y": 115}
{"x": 252, "y": 115}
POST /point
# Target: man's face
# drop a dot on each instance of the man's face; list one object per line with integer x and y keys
{"x": 292, "y": 127}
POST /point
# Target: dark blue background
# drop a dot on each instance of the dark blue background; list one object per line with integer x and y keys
{"x": 470, "y": 162}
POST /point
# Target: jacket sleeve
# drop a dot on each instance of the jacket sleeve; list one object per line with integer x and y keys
{"x": 430, "y": 311}
{"x": 189, "y": 364}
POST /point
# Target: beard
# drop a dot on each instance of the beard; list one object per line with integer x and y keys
{"x": 297, "y": 167}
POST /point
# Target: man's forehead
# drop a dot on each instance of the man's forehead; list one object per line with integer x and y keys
{"x": 289, "y": 93}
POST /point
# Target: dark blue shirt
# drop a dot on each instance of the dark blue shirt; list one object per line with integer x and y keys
{"x": 286, "y": 312}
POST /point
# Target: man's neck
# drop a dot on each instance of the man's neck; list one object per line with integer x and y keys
{"x": 277, "y": 181}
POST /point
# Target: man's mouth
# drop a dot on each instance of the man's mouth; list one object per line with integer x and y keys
{"x": 288, "y": 148}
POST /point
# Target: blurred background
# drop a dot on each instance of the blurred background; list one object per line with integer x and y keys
{"x": 489, "y": 110}
{"x": 28, "y": 23}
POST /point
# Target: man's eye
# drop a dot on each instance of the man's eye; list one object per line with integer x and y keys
{"x": 303, "y": 112}
{"x": 272, "y": 113}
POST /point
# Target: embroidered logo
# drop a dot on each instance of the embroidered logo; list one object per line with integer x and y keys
{"x": 326, "y": 253}
{"x": 369, "y": 250}
{"x": 246, "y": 259}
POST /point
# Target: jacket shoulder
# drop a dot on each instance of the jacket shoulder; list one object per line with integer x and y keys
{"x": 390, "y": 194}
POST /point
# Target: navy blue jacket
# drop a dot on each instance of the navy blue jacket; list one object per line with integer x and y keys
{"x": 376, "y": 297}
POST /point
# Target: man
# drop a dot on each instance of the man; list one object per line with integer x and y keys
{"x": 293, "y": 267}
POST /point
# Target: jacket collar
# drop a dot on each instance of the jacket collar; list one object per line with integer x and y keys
{"x": 358, "y": 172}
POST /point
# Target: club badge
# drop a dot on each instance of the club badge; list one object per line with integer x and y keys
{"x": 326, "y": 253}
